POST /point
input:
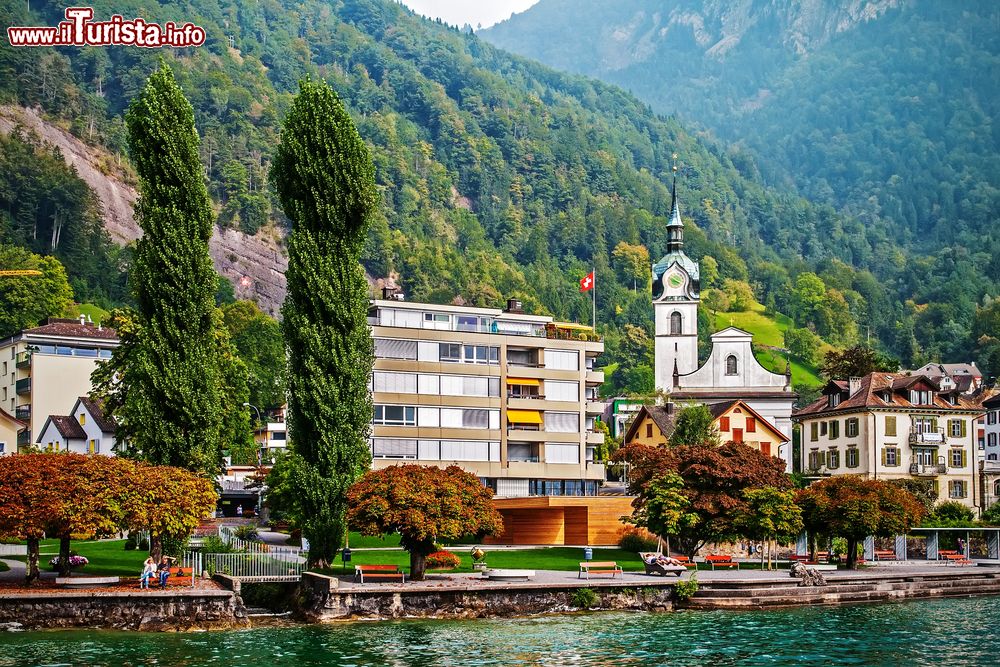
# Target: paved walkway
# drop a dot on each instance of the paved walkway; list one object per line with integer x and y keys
{"x": 17, "y": 571}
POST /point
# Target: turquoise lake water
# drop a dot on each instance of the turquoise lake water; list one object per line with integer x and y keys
{"x": 923, "y": 633}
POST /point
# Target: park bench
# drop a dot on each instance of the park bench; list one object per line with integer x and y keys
{"x": 686, "y": 562}
{"x": 387, "y": 572}
{"x": 957, "y": 559}
{"x": 177, "y": 573}
{"x": 599, "y": 567}
{"x": 718, "y": 560}
{"x": 944, "y": 553}
{"x": 822, "y": 556}
{"x": 86, "y": 582}
{"x": 885, "y": 554}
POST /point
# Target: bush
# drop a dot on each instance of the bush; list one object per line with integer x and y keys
{"x": 247, "y": 533}
{"x": 213, "y": 544}
{"x": 635, "y": 540}
{"x": 143, "y": 544}
{"x": 585, "y": 598}
{"x": 130, "y": 544}
{"x": 173, "y": 546}
{"x": 685, "y": 589}
{"x": 74, "y": 561}
{"x": 950, "y": 513}
{"x": 991, "y": 515}
{"x": 443, "y": 560}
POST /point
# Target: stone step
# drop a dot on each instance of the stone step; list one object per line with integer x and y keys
{"x": 709, "y": 590}
{"x": 811, "y": 596}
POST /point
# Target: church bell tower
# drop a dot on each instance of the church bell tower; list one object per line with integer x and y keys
{"x": 676, "y": 292}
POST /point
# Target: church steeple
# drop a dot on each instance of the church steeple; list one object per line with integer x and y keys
{"x": 675, "y": 228}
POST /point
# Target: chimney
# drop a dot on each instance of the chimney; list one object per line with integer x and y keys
{"x": 83, "y": 319}
{"x": 514, "y": 306}
{"x": 854, "y": 384}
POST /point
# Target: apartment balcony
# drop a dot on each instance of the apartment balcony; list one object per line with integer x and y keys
{"x": 22, "y": 412}
{"x": 24, "y": 438}
{"x": 927, "y": 469}
{"x": 594, "y": 438}
{"x": 23, "y": 360}
{"x": 595, "y": 408}
{"x": 927, "y": 437}
{"x": 595, "y": 377}
{"x": 525, "y": 433}
{"x": 23, "y": 386}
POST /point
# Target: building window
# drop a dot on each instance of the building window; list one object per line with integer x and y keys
{"x": 83, "y": 418}
{"x": 852, "y": 427}
{"x": 562, "y": 360}
{"x": 395, "y": 415}
{"x": 890, "y": 456}
{"x": 833, "y": 400}
{"x": 921, "y": 397}
{"x": 853, "y": 460}
{"x": 991, "y": 417}
{"x": 732, "y": 367}
{"x": 834, "y": 429}
{"x": 833, "y": 459}
{"x": 996, "y": 488}
{"x": 991, "y": 439}
{"x": 956, "y": 428}
{"x": 815, "y": 460}
{"x": 958, "y": 458}
{"x": 723, "y": 424}
{"x": 957, "y": 489}
{"x": 822, "y": 429}
{"x": 814, "y": 431}
{"x": 649, "y": 430}
{"x": 675, "y": 323}
{"x": 890, "y": 425}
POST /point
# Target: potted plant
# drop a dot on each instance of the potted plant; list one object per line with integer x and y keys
{"x": 478, "y": 558}
{"x": 443, "y": 560}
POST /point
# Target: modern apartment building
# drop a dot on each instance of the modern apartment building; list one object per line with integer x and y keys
{"x": 990, "y": 465}
{"x": 511, "y": 397}
{"x": 44, "y": 370}
{"x": 892, "y": 426}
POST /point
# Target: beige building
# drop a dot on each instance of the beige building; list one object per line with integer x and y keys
{"x": 508, "y": 396}
{"x": 892, "y": 426}
{"x": 9, "y": 428}
{"x": 44, "y": 370}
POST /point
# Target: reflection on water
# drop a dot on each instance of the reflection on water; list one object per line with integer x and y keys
{"x": 923, "y": 633}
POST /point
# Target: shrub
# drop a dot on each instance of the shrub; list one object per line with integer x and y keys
{"x": 74, "y": 561}
{"x": 991, "y": 515}
{"x": 950, "y": 513}
{"x": 248, "y": 533}
{"x": 443, "y": 560}
{"x": 173, "y": 546}
{"x": 685, "y": 589}
{"x": 143, "y": 544}
{"x": 130, "y": 544}
{"x": 585, "y": 598}
{"x": 635, "y": 540}
{"x": 213, "y": 544}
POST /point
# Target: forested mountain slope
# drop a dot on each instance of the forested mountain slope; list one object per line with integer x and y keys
{"x": 499, "y": 176}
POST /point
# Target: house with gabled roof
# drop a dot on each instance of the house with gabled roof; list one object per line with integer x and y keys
{"x": 88, "y": 429}
{"x": 895, "y": 426}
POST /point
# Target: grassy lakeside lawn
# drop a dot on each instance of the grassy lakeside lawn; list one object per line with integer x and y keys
{"x": 107, "y": 557}
{"x": 3, "y": 566}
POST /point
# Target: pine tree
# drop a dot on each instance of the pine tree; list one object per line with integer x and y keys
{"x": 172, "y": 383}
{"x": 324, "y": 177}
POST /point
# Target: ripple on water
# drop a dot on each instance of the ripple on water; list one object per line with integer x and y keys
{"x": 941, "y": 633}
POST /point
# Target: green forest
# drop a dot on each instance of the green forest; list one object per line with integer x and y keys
{"x": 498, "y": 176}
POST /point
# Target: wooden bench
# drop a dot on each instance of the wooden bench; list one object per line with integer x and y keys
{"x": 718, "y": 560}
{"x": 957, "y": 559}
{"x": 686, "y": 562}
{"x": 86, "y": 582}
{"x": 943, "y": 554}
{"x": 822, "y": 556}
{"x": 885, "y": 554}
{"x": 387, "y": 572}
{"x": 599, "y": 567}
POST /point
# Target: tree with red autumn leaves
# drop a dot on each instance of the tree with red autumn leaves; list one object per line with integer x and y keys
{"x": 853, "y": 507}
{"x": 78, "y": 496}
{"x": 422, "y": 504}
{"x": 715, "y": 479}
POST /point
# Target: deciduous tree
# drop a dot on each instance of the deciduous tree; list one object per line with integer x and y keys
{"x": 422, "y": 504}
{"x": 856, "y": 361}
{"x": 325, "y": 180}
{"x": 694, "y": 425}
{"x": 770, "y": 515}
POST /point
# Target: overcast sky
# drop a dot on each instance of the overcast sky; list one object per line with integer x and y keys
{"x": 473, "y": 12}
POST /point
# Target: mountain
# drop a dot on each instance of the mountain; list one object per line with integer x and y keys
{"x": 883, "y": 109}
{"x": 500, "y": 177}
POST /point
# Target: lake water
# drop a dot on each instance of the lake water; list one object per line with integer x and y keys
{"x": 922, "y": 633}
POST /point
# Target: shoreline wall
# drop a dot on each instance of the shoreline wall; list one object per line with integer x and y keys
{"x": 146, "y": 610}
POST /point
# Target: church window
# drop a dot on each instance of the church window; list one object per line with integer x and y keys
{"x": 675, "y": 323}
{"x": 732, "y": 367}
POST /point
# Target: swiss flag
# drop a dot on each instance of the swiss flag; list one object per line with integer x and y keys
{"x": 587, "y": 282}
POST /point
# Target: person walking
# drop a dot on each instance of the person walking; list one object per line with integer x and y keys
{"x": 148, "y": 570}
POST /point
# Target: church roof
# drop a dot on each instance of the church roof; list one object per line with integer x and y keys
{"x": 689, "y": 265}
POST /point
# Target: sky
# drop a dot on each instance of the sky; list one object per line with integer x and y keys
{"x": 473, "y": 12}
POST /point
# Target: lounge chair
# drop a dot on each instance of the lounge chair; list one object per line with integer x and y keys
{"x": 660, "y": 568}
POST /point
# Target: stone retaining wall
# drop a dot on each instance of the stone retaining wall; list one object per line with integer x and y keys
{"x": 146, "y": 610}
{"x": 324, "y": 602}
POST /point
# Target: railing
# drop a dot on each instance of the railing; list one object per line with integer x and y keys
{"x": 194, "y": 560}
{"x": 929, "y": 437}
{"x": 22, "y": 412}
{"x": 23, "y": 386}
{"x": 24, "y": 438}
{"x": 927, "y": 469}
{"x": 256, "y": 560}
{"x": 22, "y": 360}
{"x": 530, "y": 397}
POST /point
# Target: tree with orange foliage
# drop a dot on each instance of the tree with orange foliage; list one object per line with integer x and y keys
{"x": 30, "y": 496}
{"x": 853, "y": 507}
{"x": 423, "y": 504}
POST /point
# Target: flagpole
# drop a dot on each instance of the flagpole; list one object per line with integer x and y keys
{"x": 593, "y": 272}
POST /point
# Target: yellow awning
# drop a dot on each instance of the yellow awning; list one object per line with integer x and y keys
{"x": 524, "y": 416}
{"x": 572, "y": 325}
{"x": 526, "y": 382}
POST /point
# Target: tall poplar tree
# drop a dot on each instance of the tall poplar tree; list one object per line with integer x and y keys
{"x": 325, "y": 180}
{"x": 173, "y": 383}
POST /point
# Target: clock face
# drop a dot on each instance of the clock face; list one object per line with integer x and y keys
{"x": 675, "y": 280}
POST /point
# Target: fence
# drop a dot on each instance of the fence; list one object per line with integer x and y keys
{"x": 195, "y": 561}
{"x": 13, "y": 550}
{"x": 256, "y": 560}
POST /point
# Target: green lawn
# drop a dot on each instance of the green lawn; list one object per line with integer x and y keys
{"x": 770, "y": 331}
{"x": 96, "y": 313}
{"x": 3, "y": 566}
{"x": 107, "y": 557}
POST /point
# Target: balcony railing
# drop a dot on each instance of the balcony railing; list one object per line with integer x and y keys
{"x": 24, "y": 438}
{"x": 22, "y": 412}
{"x": 927, "y": 469}
{"x": 928, "y": 437}
{"x": 23, "y": 386}
{"x": 23, "y": 359}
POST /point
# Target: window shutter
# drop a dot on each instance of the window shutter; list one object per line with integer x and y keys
{"x": 890, "y": 425}
{"x": 814, "y": 431}
{"x": 934, "y": 424}
{"x": 964, "y": 426}
{"x": 884, "y": 456}
{"x": 723, "y": 423}
{"x": 963, "y": 458}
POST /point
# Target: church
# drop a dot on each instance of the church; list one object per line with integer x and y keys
{"x": 731, "y": 372}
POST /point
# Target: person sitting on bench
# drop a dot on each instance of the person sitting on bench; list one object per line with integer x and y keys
{"x": 163, "y": 570}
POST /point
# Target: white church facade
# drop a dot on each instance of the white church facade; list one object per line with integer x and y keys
{"x": 731, "y": 371}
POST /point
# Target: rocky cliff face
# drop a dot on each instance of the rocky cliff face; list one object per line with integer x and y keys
{"x": 255, "y": 265}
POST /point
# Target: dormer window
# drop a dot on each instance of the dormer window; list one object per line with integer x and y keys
{"x": 833, "y": 400}
{"x": 921, "y": 397}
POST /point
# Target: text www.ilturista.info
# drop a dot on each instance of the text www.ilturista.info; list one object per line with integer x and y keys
{"x": 79, "y": 30}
